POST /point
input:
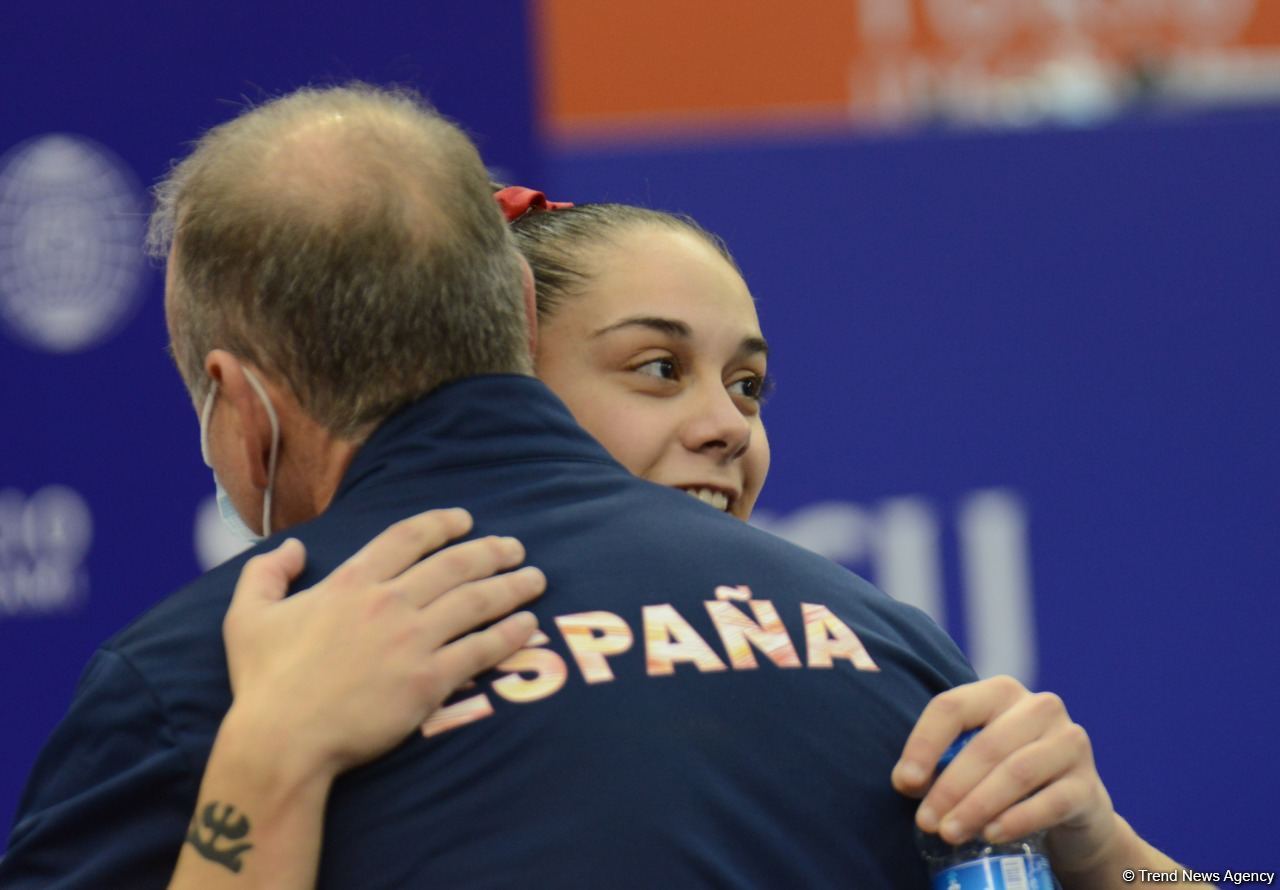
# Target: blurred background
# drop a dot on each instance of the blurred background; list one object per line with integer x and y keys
{"x": 1017, "y": 261}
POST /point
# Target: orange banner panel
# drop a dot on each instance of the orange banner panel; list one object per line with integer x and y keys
{"x": 602, "y": 62}
{"x": 624, "y": 65}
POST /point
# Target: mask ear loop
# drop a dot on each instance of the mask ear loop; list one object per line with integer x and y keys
{"x": 275, "y": 448}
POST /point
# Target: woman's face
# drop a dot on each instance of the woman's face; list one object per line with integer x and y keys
{"x": 662, "y": 360}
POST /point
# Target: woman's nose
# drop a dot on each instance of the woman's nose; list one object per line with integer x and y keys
{"x": 717, "y": 426}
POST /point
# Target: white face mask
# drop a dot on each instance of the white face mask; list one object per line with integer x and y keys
{"x": 226, "y": 509}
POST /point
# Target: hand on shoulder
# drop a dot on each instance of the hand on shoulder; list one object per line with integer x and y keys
{"x": 350, "y": 667}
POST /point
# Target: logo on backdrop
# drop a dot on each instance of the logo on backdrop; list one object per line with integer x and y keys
{"x": 44, "y": 540}
{"x": 214, "y": 542}
{"x": 71, "y": 232}
{"x": 898, "y": 544}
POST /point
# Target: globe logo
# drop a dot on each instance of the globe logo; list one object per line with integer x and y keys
{"x": 71, "y": 230}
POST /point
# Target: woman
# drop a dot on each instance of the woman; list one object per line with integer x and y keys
{"x": 649, "y": 334}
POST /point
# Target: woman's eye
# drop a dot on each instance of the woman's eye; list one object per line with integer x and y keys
{"x": 754, "y": 388}
{"x": 664, "y": 368}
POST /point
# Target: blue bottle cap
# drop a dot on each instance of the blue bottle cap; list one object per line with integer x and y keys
{"x": 955, "y": 747}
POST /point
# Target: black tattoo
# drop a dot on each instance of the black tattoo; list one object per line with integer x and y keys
{"x": 224, "y": 826}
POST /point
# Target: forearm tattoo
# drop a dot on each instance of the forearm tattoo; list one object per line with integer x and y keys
{"x": 218, "y": 834}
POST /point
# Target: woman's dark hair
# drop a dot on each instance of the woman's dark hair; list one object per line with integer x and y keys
{"x": 556, "y": 242}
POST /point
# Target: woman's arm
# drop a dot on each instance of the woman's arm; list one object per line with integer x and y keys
{"x": 335, "y": 676}
{"x": 1030, "y": 769}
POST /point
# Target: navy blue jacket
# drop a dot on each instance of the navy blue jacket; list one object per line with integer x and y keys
{"x": 738, "y": 731}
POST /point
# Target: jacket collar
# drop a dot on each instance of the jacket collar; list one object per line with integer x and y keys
{"x": 492, "y": 418}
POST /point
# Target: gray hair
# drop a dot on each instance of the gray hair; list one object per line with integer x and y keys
{"x": 344, "y": 240}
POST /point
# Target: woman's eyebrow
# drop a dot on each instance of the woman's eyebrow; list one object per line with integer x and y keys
{"x": 668, "y": 326}
{"x": 678, "y": 329}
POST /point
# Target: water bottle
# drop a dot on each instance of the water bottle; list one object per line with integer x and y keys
{"x": 978, "y": 865}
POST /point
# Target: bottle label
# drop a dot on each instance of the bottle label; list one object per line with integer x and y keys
{"x": 1021, "y": 872}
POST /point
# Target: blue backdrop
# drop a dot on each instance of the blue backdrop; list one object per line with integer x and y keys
{"x": 1025, "y": 381}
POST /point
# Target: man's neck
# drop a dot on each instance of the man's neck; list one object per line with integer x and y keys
{"x": 311, "y": 465}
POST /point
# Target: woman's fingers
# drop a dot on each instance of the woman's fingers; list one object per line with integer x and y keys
{"x": 1007, "y": 733}
{"x": 483, "y": 649}
{"x": 1020, "y": 774}
{"x": 401, "y": 546}
{"x": 468, "y": 606}
{"x": 457, "y": 565}
{"x": 1056, "y": 803}
{"x": 394, "y": 559}
{"x": 266, "y": 577}
{"x": 943, "y": 719}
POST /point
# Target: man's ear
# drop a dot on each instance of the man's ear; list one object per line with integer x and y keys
{"x": 530, "y": 306}
{"x": 247, "y": 417}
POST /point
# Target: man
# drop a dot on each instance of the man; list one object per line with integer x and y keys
{"x": 713, "y": 707}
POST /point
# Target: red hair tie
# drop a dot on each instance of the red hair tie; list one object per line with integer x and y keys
{"x": 516, "y": 201}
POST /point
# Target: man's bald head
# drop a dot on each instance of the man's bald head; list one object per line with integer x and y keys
{"x": 346, "y": 242}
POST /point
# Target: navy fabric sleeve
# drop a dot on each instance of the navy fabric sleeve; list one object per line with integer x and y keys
{"x": 109, "y": 800}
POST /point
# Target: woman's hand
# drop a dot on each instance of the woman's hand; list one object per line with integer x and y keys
{"x": 1030, "y": 768}
{"x": 349, "y": 668}
{"x": 333, "y": 676}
